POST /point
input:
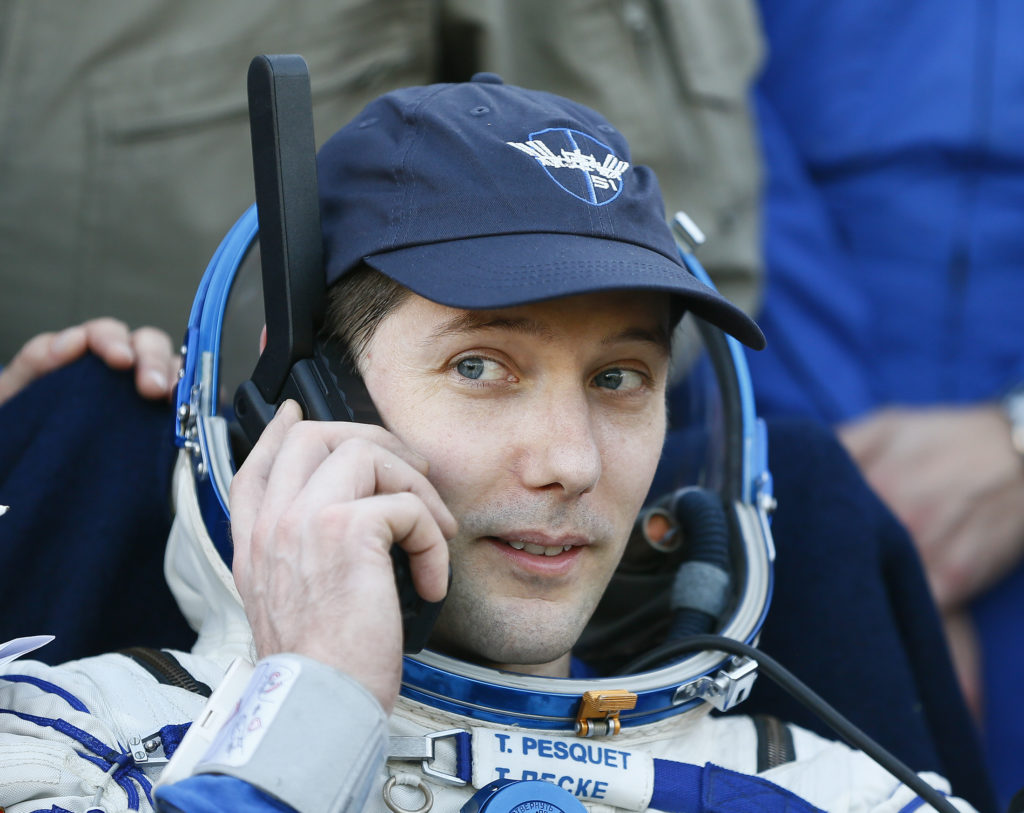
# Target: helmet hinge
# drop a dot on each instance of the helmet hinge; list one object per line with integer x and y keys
{"x": 599, "y": 712}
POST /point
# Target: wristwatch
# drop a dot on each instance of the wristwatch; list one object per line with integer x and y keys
{"x": 1013, "y": 406}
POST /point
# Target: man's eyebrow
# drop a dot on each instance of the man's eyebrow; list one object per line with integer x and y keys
{"x": 469, "y": 321}
{"x": 658, "y": 336}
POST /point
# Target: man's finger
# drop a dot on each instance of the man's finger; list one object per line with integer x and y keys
{"x": 249, "y": 484}
{"x": 865, "y": 439}
{"x": 360, "y": 469}
{"x": 63, "y": 347}
{"x": 333, "y": 433}
{"x": 38, "y": 357}
{"x": 110, "y": 340}
{"x": 156, "y": 362}
{"x": 356, "y": 535}
{"x": 309, "y": 443}
{"x": 294, "y": 492}
{"x": 417, "y": 532}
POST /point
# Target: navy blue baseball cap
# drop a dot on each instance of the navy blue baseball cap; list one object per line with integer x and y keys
{"x": 484, "y": 195}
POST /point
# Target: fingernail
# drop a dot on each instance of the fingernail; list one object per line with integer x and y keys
{"x": 283, "y": 411}
{"x": 124, "y": 350}
{"x": 158, "y": 379}
{"x": 66, "y": 339}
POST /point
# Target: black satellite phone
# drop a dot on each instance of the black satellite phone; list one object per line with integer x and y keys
{"x": 300, "y": 362}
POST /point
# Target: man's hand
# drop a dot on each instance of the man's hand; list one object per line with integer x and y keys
{"x": 953, "y": 479}
{"x": 315, "y": 509}
{"x": 148, "y": 349}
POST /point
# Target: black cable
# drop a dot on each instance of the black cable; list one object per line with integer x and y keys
{"x": 804, "y": 695}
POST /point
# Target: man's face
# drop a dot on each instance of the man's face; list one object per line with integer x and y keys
{"x": 542, "y": 425}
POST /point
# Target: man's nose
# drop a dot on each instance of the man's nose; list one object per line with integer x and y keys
{"x": 561, "y": 446}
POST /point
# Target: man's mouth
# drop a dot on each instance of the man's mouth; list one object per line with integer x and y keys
{"x": 537, "y": 550}
{"x": 550, "y": 555}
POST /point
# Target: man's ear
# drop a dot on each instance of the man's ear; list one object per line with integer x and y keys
{"x": 263, "y": 339}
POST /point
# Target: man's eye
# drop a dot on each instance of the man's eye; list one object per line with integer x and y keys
{"x": 617, "y": 379}
{"x": 477, "y": 368}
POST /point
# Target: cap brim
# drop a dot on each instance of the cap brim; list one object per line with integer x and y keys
{"x": 502, "y": 271}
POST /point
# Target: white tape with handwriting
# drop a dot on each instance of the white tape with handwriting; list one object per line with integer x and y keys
{"x": 264, "y": 695}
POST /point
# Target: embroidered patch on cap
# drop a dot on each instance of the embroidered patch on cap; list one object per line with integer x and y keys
{"x": 577, "y": 162}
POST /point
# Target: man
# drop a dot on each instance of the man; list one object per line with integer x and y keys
{"x": 505, "y": 283}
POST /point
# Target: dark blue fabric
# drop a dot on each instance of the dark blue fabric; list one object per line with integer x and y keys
{"x": 213, "y": 793}
{"x": 683, "y": 788}
{"x": 998, "y": 616}
{"x": 171, "y": 737}
{"x": 678, "y": 786}
{"x": 464, "y": 756}
{"x": 851, "y": 616}
{"x": 893, "y": 138}
{"x": 730, "y": 792}
{"x": 85, "y": 467}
